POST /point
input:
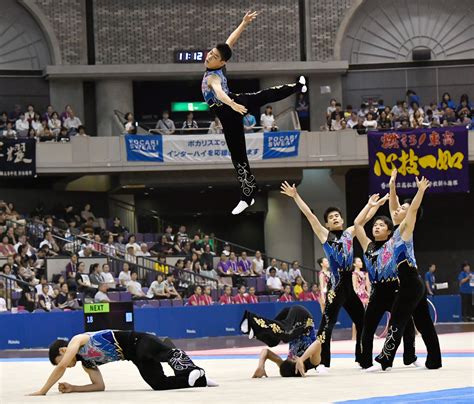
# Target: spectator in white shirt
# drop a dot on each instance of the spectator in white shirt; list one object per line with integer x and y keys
{"x": 50, "y": 242}
{"x": 352, "y": 121}
{"x": 101, "y": 295}
{"x": 124, "y": 275}
{"x": 9, "y": 132}
{"x": 30, "y": 112}
{"x": 109, "y": 248}
{"x": 165, "y": 125}
{"x": 273, "y": 264}
{"x": 158, "y": 289}
{"x": 330, "y": 109}
{"x": 273, "y": 282}
{"x": 283, "y": 274}
{"x": 55, "y": 124}
{"x": 72, "y": 123}
{"x": 22, "y": 125}
{"x": 44, "y": 282}
{"x": 135, "y": 288}
{"x": 257, "y": 264}
{"x": 267, "y": 120}
{"x": 107, "y": 277}
{"x": 143, "y": 251}
{"x": 132, "y": 243}
{"x": 338, "y": 123}
{"x": 295, "y": 271}
{"x": 130, "y": 255}
{"x": 370, "y": 122}
{"x": 130, "y": 124}
{"x": 216, "y": 127}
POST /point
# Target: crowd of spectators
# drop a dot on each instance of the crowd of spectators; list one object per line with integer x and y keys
{"x": 406, "y": 114}
{"x": 42, "y": 126}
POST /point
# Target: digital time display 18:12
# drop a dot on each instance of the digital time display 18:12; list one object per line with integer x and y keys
{"x": 190, "y": 56}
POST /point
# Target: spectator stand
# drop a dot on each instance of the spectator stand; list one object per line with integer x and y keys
{"x": 12, "y": 288}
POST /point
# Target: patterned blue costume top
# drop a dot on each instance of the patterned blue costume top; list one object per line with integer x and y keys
{"x": 207, "y": 92}
{"x": 339, "y": 250}
{"x": 101, "y": 348}
{"x": 381, "y": 262}
{"x": 405, "y": 252}
{"x": 298, "y": 346}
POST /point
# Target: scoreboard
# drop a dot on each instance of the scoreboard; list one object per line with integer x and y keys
{"x": 104, "y": 316}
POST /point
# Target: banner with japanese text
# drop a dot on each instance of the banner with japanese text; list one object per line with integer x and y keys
{"x": 18, "y": 158}
{"x": 209, "y": 148}
{"x": 439, "y": 154}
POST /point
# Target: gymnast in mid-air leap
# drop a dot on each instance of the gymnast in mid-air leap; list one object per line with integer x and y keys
{"x": 230, "y": 108}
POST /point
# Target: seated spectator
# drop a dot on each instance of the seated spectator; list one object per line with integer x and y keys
{"x": 63, "y": 135}
{"x": 215, "y": 128}
{"x": 196, "y": 245}
{"x": 195, "y": 299}
{"x": 257, "y": 264}
{"x": 50, "y": 242}
{"x": 44, "y": 282}
{"x": 117, "y": 227}
{"x": 22, "y": 126}
{"x": 274, "y": 284}
{"x": 13, "y": 116}
{"x": 55, "y": 124}
{"x": 465, "y": 106}
{"x": 86, "y": 252}
{"x": 161, "y": 266}
{"x": 72, "y": 302}
{"x": 182, "y": 236}
{"x": 132, "y": 243}
{"x": 224, "y": 267}
{"x": 11, "y": 235}
{"x": 298, "y": 289}
{"x": 384, "y": 121}
{"x": 446, "y": 99}
{"x": 71, "y": 270}
{"x": 295, "y": 271}
{"x": 267, "y": 120}
{"x": 284, "y": 274}
{"x": 37, "y": 125}
{"x": 130, "y": 125}
{"x": 244, "y": 265}
{"x": 95, "y": 275}
{"x": 286, "y": 296}
{"x": 130, "y": 255}
{"x": 6, "y": 249}
{"x": 101, "y": 296}
{"x": 169, "y": 233}
{"x": 97, "y": 245}
{"x": 249, "y": 122}
{"x": 109, "y": 247}
{"x": 416, "y": 120}
{"x": 169, "y": 283}
{"x": 363, "y": 111}
{"x": 30, "y": 112}
{"x": 107, "y": 277}
{"x": 27, "y": 300}
{"x": 370, "y": 122}
{"x": 330, "y": 109}
{"x": 404, "y": 125}
{"x": 9, "y": 132}
{"x": 124, "y": 275}
{"x": 273, "y": 264}
{"x": 234, "y": 264}
{"x": 251, "y": 297}
{"x": 135, "y": 288}
{"x": 3, "y": 120}
{"x": 240, "y": 297}
{"x": 450, "y": 116}
{"x": 83, "y": 281}
{"x": 143, "y": 251}
{"x": 338, "y": 123}
{"x": 120, "y": 246}
{"x": 206, "y": 298}
{"x": 186, "y": 251}
{"x": 81, "y": 131}
{"x": 72, "y": 123}
{"x": 162, "y": 247}
{"x": 207, "y": 258}
{"x": 61, "y": 299}
{"x": 189, "y": 124}
{"x": 66, "y": 113}
{"x": 165, "y": 125}
{"x": 351, "y": 121}
{"x": 158, "y": 289}
{"x": 226, "y": 298}
{"x": 226, "y": 250}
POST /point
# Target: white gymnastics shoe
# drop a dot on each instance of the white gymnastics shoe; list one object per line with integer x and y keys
{"x": 241, "y": 206}
{"x": 211, "y": 383}
{"x": 194, "y": 375}
{"x": 376, "y": 368}
{"x": 251, "y": 334}
{"x": 321, "y": 370}
{"x": 302, "y": 81}
{"x": 244, "y": 327}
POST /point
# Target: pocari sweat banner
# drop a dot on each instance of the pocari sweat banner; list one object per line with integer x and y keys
{"x": 144, "y": 148}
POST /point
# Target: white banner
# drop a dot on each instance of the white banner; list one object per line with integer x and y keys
{"x": 207, "y": 147}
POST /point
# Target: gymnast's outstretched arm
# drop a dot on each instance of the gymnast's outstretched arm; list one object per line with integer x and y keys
{"x": 408, "y": 224}
{"x": 248, "y": 18}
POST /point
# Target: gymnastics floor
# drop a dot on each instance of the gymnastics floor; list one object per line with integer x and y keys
{"x": 233, "y": 368}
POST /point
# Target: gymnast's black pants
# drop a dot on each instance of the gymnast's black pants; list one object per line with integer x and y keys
{"x": 233, "y": 126}
{"x": 147, "y": 352}
{"x": 342, "y": 295}
{"x": 411, "y": 301}
{"x": 382, "y": 298}
{"x": 289, "y": 324}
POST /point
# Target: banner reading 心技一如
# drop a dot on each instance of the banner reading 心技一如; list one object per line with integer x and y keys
{"x": 17, "y": 158}
{"x": 209, "y": 148}
{"x": 439, "y": 154}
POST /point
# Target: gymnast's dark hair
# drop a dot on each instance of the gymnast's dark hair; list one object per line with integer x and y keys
{"x": 287, "y": 369}
{"x": 225, "y": 51}
{"x": 419, "y": 212}
{"x": 54, "y": 349}
{"x": 330, "y": 210}
{"x": 386, "y": 220}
